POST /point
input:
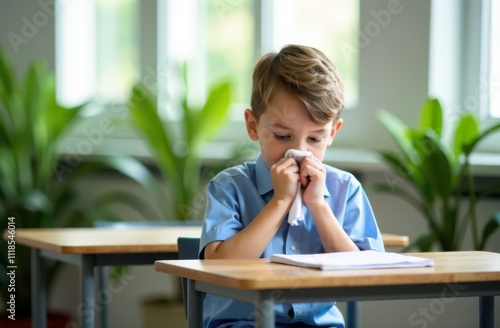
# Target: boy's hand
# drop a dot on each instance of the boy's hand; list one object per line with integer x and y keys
{"x": 312, "y": 177}
{"x": 285, "y": 177}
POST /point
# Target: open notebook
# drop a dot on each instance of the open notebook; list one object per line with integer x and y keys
{"x": 352, "y": 260}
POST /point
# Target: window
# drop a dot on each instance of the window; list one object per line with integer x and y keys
{"x": 225, "y": 39}
{"x": 100, "y": 43}
{"x": 216, "y": 41}
{"x": 97, "y": 56}
{"x": 75, "y": 51}
{"x": 493, "y": 71}
{"x": 103, "y": 46}
{"x": 117, "y": 59}
{"x": 230, "y": 48}
{"x": 465, "y": 57}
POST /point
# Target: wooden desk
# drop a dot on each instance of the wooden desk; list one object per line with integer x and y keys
{"x": 137, "y": 240}
{"x": 392, "y": 240}
{"x": 456, "y": 274}
{"x": 94, "y": 247}
{"x": 97, "y": 247}
{"x": 106, "y": 240}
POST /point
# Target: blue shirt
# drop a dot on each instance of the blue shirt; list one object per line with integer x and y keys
{"x": 238, "y": 194}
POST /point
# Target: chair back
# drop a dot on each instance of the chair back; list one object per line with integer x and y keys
{"x": 188, "y": 248}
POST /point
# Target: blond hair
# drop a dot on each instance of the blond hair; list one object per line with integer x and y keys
{"x": 304, "y": 72}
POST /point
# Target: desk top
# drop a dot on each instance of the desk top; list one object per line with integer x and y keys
{"x": 258, "y": 274}
{"x": 392, "y": 240}
{"x": 133, "y": 240}
{"x": 106, "y": 240}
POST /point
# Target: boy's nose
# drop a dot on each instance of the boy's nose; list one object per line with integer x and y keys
{"x": 300, "y": 145}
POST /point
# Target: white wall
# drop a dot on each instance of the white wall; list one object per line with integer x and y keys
{"x": 393, "y": 75}
{"x": 395, "y": 80}
{"x": 27, "y": 31}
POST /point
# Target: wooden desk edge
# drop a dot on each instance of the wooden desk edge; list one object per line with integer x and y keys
{"x": 390, "y": 240}
{"x": 28, "y": 241}
{"x": 393, "y": 240}
{"x": 194, "y": 269}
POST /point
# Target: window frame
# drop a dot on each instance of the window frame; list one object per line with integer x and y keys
{"x": 475, "y": 82}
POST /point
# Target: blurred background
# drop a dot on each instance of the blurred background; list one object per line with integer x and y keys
{"x": 392, "y": 55}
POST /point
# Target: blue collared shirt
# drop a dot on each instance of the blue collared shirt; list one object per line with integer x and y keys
{"x": 238, "y": 194}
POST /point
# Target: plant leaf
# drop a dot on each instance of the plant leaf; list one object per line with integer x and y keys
{"x": 214, "y": 112}
{"x": 489, "y": 229}
{"x": 35, "y": 104}
{"x": 470, "y": 147}
{"x": 431, "y": 116}
{"x": 398, "y": 164}
{"x": 425, "y": 242}
{"x": 190, "y": 115}
{"x": 436, "y": 166}
{"x": 7, "y": 175}
{"x": 136, "y": 171}
{"x": 466, "y": 132}
{"x": 36, "y": 201}
{"x": 146, "y": 118}
{"x": 398, "y": 131}
{"x": 8, "y": 79}
{"x": 409, "y": 171}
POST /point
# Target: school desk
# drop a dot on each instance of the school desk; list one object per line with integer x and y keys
{"x": 97, "y": 247}
{"x": 94, "y": 247}
{"x": 258, "y": 281}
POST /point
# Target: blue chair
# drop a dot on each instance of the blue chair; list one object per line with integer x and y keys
{"x": 188, "y": 248}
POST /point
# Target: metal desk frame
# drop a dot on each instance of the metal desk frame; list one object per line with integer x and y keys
{"x": 264, "y": 302}
{"x": 86, "y": 264}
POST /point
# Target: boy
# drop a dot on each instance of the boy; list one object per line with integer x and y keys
{"x": 297, "y": 98}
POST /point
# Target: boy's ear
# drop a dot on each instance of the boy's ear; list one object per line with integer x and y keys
{"x": 335, "y": 128}
{"x": 251, "y": 124}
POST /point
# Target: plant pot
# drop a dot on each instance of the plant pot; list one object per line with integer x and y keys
{"x": 157, "y": 312}
{"x": 54, "y": 320}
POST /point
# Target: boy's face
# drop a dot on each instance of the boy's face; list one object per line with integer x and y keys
{"x": 285, "y": 125}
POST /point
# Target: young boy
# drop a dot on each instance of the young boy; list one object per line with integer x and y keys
{"x": 297, "y": 98}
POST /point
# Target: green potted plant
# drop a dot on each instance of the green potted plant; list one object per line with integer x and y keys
{"x": 437, "y": 172}
{"x": 176, "y": 146}
{"x": 37, "y": 190}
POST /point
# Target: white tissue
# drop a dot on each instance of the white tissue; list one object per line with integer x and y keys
{"x": 296, "y": 211}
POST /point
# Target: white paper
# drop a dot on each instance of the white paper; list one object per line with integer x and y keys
{"x": 352, "y": 260}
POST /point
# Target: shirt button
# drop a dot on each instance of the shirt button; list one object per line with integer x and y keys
{"x": 293, "y": 247}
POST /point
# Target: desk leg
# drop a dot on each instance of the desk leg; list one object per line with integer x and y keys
{"x": 38, "y": 290}
{"x": 194, "y": 306}
{"x": 353, "y": 318}
{"x": 87, "y": 292}
{"x": 264, "y": 314}
{"x": 102, "y": 286}
{"x": 487, "y": 311}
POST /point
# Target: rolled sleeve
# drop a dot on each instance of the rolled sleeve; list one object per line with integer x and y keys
{"x": 222, "y": 216}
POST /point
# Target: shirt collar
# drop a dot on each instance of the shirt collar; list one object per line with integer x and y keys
{"x": 263, "y": 178}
